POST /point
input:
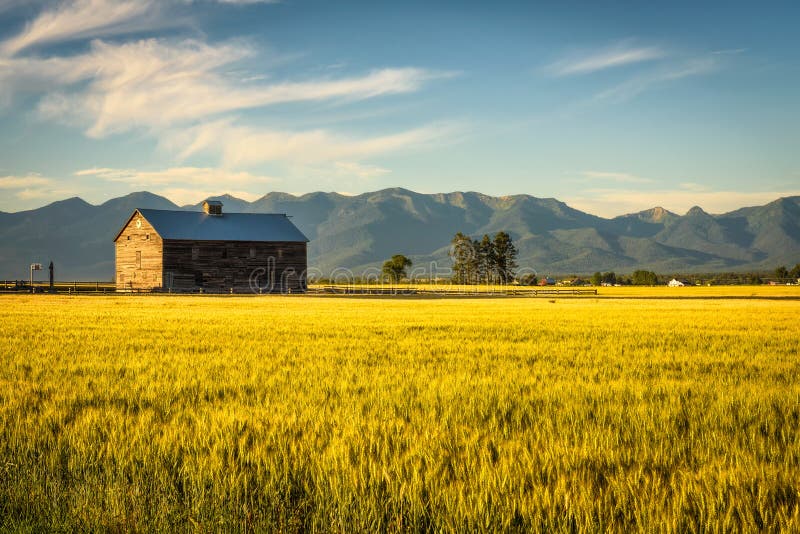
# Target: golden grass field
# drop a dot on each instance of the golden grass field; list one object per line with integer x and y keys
{"x": 400, "y": 414}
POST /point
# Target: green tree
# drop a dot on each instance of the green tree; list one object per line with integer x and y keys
{"x": 644, "y": 278}
{"x": 795, "y": 272}
{"x": 486, "y": 257}
{"x": 781, "y": 273}
{"x": 610, "y": 278}
{"x": 462, "y": 252}
{"x": 394, "y": 269}
{"x": 597, "y": 279}
{"x": 506, "y": 257}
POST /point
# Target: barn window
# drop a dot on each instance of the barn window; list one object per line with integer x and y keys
{"x": 195, "y": 252}
{"x": 138, "y": 259}
{"x": 147, "y": 237}
{"x": 252, "y": 252}
{"x": 129, "y": 238}
{"x": 224, "y": 252}
{"x": 198, "y": 278}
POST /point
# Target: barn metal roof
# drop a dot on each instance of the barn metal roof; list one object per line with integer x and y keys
{"x": 200, "y": 226}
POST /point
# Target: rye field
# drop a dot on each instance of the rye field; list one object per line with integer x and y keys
{"x": 346, "y": 414}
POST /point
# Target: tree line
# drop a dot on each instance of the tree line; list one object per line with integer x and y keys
{"x": 649, "y": 278}
{"x": 484, "y": 261}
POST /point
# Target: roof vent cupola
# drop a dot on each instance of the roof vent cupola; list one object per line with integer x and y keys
{"x": 212, "y": 207}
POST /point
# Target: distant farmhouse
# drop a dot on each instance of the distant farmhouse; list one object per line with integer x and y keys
{"x": 162, "y": 250}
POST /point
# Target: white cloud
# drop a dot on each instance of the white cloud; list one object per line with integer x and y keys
{"x": 644, "y": 82}
{"x": 24, "y": 182}
{"x": 32, "y": 186}
{"x": 614, "y": 202}
{"x": 692, "y": 186}
{"x": 614, "y": 56}
{"x": 730, "y": 51}
{"x": 197, "y": 176}
{"x": 350, "y": 168}
{"x": 154, "y": 84}
{"x": 244, "y": 145}
{"x": 35, "y": 194}
{"x": 615, "y": 177}
{"x": 82, "y": 19}
{"x": 184, "y": 92}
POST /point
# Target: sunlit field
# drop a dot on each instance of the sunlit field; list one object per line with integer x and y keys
{"x": 363, "y": 414}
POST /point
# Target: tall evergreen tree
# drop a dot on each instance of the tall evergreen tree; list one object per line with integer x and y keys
{"x": 505, "y": 257}
{"x": 487, "y": 260}
{"x": 462, "y": 252}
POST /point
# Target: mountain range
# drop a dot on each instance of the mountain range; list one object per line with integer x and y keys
{"x": 358, "y": 232}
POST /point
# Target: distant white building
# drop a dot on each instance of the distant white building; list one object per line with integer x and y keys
{"x": 675, "y": 283}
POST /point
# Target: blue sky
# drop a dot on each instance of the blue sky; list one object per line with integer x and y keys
{"x": 611, "y": 107}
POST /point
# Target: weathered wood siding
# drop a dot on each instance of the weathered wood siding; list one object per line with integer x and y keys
{"x": 243, "y": 266}
{"x": 146, "y": 273}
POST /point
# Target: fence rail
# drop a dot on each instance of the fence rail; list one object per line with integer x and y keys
{"x": 330, "y": 289}
{"x": 343, "y": 289}
{"x": 72, "y": 287}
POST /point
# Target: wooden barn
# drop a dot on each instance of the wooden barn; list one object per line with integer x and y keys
{"x": 210, "y": 251}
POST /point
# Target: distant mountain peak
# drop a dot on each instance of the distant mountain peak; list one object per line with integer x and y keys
{"x": 694, "y": 211}
{"x": 70, "y": 201}
{"x": 655, "y": 215}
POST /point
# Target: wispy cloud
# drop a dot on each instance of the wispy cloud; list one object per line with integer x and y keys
{"x": 247, "y": 145}
{"x": 729, "y": 51}
{"x": 189, "y": 96}
{"x": 639, "y": 84}
{"x": 351, "y": 168}
{"x": 23, "y": 182}
{"x": 31, "y": 186}
{"x": 85, "y": 18}
{"x": 621, "y": 177}
{"x": 154, "y": 84}
{"x": 197, "y": 176}
{"x": 692, "y": 186}
{"x": 615, "y": 56}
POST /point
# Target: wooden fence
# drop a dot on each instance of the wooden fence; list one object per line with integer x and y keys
{"x": 532, "y": 291}
{"x": 61, "y": 287}
{"x": 332, "y": 289}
